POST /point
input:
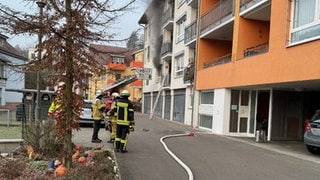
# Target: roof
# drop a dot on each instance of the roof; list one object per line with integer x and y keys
{"x": 6, "y": 48}
{"x": 152, "y": 10}
{"x": 104, "y": 53}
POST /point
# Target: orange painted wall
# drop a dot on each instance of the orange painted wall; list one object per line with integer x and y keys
{"x": 205, "y": 5}
{"x": 280, "y": 64}
{"x": 211, "y": 49}
{"x": 251, "y": 33}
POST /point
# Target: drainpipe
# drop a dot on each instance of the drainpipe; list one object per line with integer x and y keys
{"x": 270, "y": 115}
{"x": 195, "y": 68}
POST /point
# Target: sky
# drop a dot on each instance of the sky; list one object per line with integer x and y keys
{"x": 125, "y": 26}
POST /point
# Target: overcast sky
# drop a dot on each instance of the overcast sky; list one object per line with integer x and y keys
{"x": 127, "y": 23}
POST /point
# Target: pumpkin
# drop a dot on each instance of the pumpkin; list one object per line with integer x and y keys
{"x": 60, "y": 171}
{"x": 82, "y": 159}
{"x": 76, "y": 155}
{"x": 77, "y": 147}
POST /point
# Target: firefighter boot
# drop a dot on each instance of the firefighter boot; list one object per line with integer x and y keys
{"x": 117, "y": 143}
{"x": 122, "y": 148}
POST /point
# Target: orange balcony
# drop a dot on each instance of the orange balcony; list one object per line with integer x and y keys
{"x": 136, "y": 64}
{"x": 117, "y": 66}
{"x": 137, "y": 83}
{"x": 110, "y": 81}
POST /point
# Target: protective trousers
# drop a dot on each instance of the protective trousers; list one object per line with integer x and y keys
{"x": 96, "y": 128}
{"x": 113, "y": 130}
{"x": 122, "y": 138}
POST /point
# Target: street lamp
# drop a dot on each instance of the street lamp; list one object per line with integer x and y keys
{"x": 41, "y": 5}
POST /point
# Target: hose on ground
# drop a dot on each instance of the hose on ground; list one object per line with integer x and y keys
{"x": 187, "y": 169}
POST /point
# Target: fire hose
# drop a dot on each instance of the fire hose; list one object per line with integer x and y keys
{"x": 187, "y": 169}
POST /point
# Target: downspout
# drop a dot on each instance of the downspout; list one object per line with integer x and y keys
{"x": 195, "y": 67}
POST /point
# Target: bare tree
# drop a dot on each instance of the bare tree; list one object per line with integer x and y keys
{"x": 67, "y": 27}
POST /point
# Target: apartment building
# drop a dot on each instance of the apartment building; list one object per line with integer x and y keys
{"x": 257, "y": 66}
{"x": 10, "y": 75}
{"x": 170, "y": 41}
{"x": 119, "y": 63}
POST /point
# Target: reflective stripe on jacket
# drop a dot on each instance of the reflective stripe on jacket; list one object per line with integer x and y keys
{"x": 125, "y": 112}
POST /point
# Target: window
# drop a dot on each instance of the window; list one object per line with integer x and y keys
{"x": 117, "y": 59}
{"x": 181, "y": 25}
{"x": 306, "y": 20}
{"x": 118, "y": 76}
{"x": 205, "y": 121}
{"x": 206, "y": 97}
{"x": 180, "y": 2}
{"x": 179, "y": 65}
{"x": 2, "y": 71}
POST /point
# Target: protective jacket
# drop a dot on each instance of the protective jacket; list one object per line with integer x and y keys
{"x": 55, "y": 106}
{"x": 125, "y": 112}
{"x": 97, "y": 110}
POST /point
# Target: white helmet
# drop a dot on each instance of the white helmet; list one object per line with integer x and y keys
{"x": 115, "y": 94}
{"x": 125, "y": 93}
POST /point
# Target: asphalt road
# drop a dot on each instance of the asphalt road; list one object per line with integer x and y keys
{"x": 208, "y": 156}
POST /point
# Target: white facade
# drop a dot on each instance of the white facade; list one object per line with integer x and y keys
{"x": 167, "y": 53}
{"x": 11, "y": 75}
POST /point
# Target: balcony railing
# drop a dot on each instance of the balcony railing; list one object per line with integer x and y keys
{"x": 166, "y": 48}
{"x": 190, "y": 32}
{"x": 216, "y": 15}
{"x": 258, "y": 49}
{"x": 117, "y": 66}
{"x": 193, "y": 3}
{"x": 245, "y": 4}
{"x": 218, "y": 61}
{"x": 167, "y": 16}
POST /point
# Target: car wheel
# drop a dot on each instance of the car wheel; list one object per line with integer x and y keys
{"x": 313, "y": 149}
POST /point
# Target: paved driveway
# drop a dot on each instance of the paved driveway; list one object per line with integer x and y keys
{"x": 208, "y": 156}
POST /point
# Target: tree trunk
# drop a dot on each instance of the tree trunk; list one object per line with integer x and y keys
{"x": 69, "y": 84}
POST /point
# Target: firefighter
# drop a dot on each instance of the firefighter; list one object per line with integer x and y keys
{"x": 125, "y": 121}
{"x": 112, "y": 120}
{"x": 97, "y": 114}
{"x": 55, "y": 107}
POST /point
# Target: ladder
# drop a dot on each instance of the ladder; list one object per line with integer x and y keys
{"x": 158, "y": 96}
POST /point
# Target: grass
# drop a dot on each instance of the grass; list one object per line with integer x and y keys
{"x": 14, "y": 131}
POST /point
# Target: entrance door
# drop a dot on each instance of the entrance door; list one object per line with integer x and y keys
{"x": 263, "y": 110}
{"x": 239, "y": 116}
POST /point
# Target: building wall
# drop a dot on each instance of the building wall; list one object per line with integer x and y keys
{"x": 281, "y": 64}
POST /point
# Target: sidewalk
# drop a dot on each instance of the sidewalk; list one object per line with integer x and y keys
{"x": 292, "y": 148}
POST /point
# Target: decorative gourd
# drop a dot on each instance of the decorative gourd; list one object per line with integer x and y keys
{"x": 76, "y": 155}
{"x": 82, "y": 159}
{"x": 60, "y": 171}
{"x": 77, "y": 147}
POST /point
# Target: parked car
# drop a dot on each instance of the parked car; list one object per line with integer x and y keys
{"x": 86, "y": 115}
{"x": 312, "y": 134}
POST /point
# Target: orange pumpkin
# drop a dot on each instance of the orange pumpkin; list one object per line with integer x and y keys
{"x": 77, "y": 147}
{"x": 82, "y": 159}
{"x": 60, "y": 171}
{"x": 76, "y": 155}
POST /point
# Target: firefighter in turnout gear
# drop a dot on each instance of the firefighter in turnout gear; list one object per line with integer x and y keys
{"x": 111, "y": 125}
{"x": 125, "y": 121}
{"x": 97, "y": 114}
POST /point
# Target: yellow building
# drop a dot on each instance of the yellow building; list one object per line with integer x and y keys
{"x": 119, "y": 63}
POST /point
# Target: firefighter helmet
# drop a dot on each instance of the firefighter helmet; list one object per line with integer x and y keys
{"x": 125, "y": 93}
{"x": 115, "y": 94}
